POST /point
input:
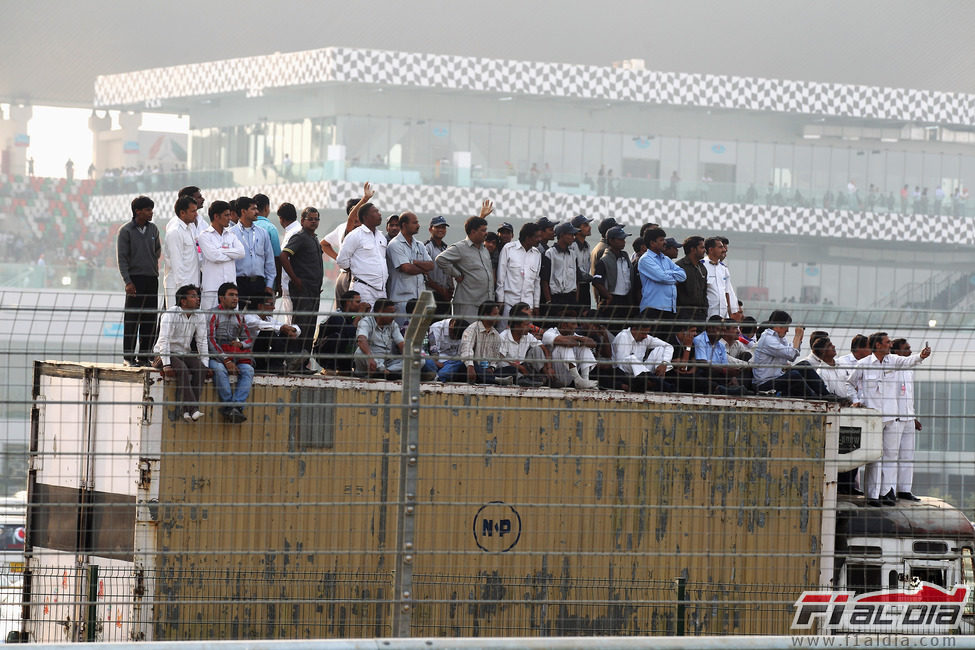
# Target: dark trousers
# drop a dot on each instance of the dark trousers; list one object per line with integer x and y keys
{"x": 661, "y": 324}
{"x": 305, "y": 306}
{"x": 139, "y": 321}
{"x": 189, "y": 382}
{"x": 269, "y": 351}
{"x": 585, "y": 296}
{"x": 250, "y": 288}
{"x": 801, "y": 381}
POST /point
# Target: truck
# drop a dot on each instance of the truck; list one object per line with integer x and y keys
{"x": 366, "y": 508}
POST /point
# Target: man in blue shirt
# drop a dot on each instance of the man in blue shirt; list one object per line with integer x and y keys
{"x": 717, "y": 376}
{"x": 255, "y": 270}
{"x": 263, "y": 204}
{"x": 659, "y": 276}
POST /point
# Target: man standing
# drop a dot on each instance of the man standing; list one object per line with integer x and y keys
{"x": 719, "y": 279}
{"x": 611, "y": 279}
{"x": 139, "y": 249}
{"x": 263, "y": 205}
{"x": 518, "y": 269}
{"x": 562, "y": 281}
{"x": 256, "y": 269}
{"x": 468, "y": 262}
{"x": 692, "y": 293}
{"x": 845, "y": 365}
{"x": 408, "y": 262}
{"x": 580, "y": 249}
{"x": 597, "y": 251}
{"x": 659, "y": 276}
{"x": 180, "y": 325}
{"x": 506, "y": 232}
{"x": 288, "y": 218}
{"x": 301, "y": 259}
{"x": 220, "y": 250}
{"x": 363, "y": 253}
{"x": 180, "y": 254}
{"x": 877, "y": 382}
{"x": 438, "y": 280}
{"x": 908, "y": 422}
{"x": 230, "y": 348}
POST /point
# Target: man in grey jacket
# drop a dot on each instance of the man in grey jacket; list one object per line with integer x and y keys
{"x": 468, "y": 262}
{"x": 139, "y": 248}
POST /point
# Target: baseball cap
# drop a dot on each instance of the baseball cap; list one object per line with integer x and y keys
{"x": 439, "y": 221}
{"x": 578, "y": 220}
{"x": 616, "y": 233}
{"x": 606, "y": 224}
{"x": 670, "y": 242}
{"x": 506, "y": 226}
{"x": 545, "y": 222}
{"x": 565, "y": 228}
{"x": 392, "y": 217}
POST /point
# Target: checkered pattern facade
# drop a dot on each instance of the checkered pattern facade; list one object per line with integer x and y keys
{"x": 513, "y": 205}
{"x": 348, "y": 65}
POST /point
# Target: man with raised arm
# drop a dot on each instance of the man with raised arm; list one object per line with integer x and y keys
{"x": 363, "y": 253}
{"x": 468, "y": 262}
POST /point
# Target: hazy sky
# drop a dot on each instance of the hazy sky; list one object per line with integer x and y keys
{"x": 52, "y": 50}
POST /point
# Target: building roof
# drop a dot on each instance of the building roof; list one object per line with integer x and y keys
{"x": 253, "y": 75}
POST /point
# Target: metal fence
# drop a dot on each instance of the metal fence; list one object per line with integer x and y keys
{"x": 348, "y": 507}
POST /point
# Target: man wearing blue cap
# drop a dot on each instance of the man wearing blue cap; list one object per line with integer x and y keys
{"x": 437, "y": 280}
{"x": 612, "y": 281}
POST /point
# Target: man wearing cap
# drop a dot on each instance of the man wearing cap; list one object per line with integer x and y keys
{"x": 659, "y": 276}
{"x": 363, "y": 253}
{"x": 408, "y": 261}
{"x": 437, "y": 280}
{"x": 612, "y": 280}
{"x": 582, "y": 252}
{"x": 562, "y": 283}
{"x": 600, "y": 247}
{"x": 392, "y": 227}
{"x": 506, "y": 232}
{"x": 518, "y": 271}
{"x": 670, "y": 248}
{"x": 468, "y": 262}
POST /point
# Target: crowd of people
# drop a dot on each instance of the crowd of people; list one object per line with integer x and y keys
{"x": 510, "y": 311}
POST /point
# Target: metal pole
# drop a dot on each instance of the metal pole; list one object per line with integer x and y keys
{"x": 91, "y": 615}
{"x": 681, "y": 596}
{"x": 409, "y": 445}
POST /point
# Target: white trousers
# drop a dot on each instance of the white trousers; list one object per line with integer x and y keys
{"x": 895, "y": 471}
{"x": 562, "y": 356}
{"x": 367, "y": 294}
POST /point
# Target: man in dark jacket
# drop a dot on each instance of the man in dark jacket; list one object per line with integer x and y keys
{"x": 139, "y": 248}
{"x": 692, "y": 293}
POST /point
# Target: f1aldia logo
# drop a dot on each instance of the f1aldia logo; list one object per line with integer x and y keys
{"x": 927, "y": 609}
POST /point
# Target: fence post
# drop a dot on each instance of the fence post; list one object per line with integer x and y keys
{"x": 681, "y": 598}
{"x": 409, "y": 457}
{"x": 91, "y": 616}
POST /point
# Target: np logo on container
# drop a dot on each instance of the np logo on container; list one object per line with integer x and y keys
{"x": 497, "y": 527}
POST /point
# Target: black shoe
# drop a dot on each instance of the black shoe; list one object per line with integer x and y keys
{"x": 889, "y": 499}
{"x": 874, "y": 503}
{"x": 237, "y": 416}
{"x": 907, "y": 496}
{"x": 856, "y": 492}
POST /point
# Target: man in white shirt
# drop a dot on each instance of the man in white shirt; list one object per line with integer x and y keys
{"x": 180, "y": 255}
{"x": 642, "y": 361}
{"x": 379, "y": 343}
{"x": 719, "y": 280}
{"x": 845, "y": 365}
{"x": 220, "y": 249}
{"x": 523, "y": 357}
{"x": 270, "y": 335}
{"x": 572, "y": 355}
{"x": 518, "y": 267}
{"x": 288, "y": 217}
{"x": 562, "y": 279}
{"x": 363, "y": 253}
{"x": 180, "y": 325}
{"x": 908, "y": 422}
{"x": 480, "y": 346}
{"x": 332, "y": 242}
{"x": 823, "y": 359}
{"x": 876, "y": 380}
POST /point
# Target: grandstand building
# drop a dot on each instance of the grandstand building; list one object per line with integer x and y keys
{"x": 837, "y": 198}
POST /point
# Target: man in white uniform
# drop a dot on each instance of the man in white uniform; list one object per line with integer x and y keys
{"x": 220, "y": 249}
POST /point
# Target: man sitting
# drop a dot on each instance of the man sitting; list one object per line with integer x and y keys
{"x": 179, "y": 326}
{"x": 336, "y": 341}
{"x": 572, "y": 354}
{"x": 715, "y": 374}
{"x": 269, "y": 334}
{"x": 523, "y": 356}
{"x": 230, "y": 353}
{"x": 480, "y": 346}
{"x": 444, "y": 343}
{"x": 641, "y": 360}
{"x": 379, "y": 343}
